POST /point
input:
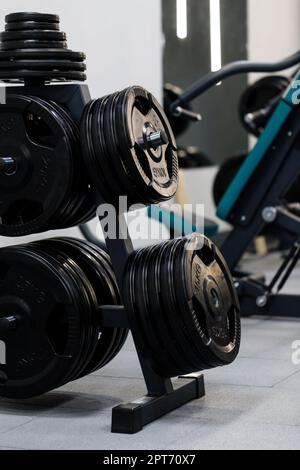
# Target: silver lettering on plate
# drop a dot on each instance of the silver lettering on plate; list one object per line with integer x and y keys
{"x": 2, "y": 353}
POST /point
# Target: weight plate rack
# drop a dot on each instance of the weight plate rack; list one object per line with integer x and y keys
{"x": 76, "y": 301}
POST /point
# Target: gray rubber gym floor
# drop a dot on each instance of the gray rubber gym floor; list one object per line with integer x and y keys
{"x": 252, "y": 404}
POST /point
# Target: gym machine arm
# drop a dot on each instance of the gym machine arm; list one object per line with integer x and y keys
{"x": 229, "y": 70}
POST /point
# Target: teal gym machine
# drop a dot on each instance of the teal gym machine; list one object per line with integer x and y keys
{"x": 256, "y": 196}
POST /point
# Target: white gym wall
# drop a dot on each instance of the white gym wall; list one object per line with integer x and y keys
{"x": 122, "y": 40}
{"x": 273, "y": 29}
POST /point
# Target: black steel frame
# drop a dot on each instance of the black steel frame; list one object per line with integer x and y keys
{"x": 162, "y": 397}
{"x": 260, "y": 205}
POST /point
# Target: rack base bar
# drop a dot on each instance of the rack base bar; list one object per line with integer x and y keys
{"x": 130, "y": 418}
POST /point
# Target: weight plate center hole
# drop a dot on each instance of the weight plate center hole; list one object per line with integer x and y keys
{"x": 215, "y": 299}
{"x": 8, "y": 166}
{"x": 152, "y": 141}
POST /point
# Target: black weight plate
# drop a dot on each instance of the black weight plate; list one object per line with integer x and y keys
{"x": 41, "y": 54}
{"x": 178, "y": 123}
{"x": 81, "y": 198}
{"x": 43, "y": 65}
{"x": 111, "y": 145}
{"x": 138, "y": 287}
{"x": 46, "y": 342}
{"x": 173, "y": 313}
{"x": 213, "y": 309}
{"x": 114, "y": 159}
{"x": 162, "y": 324}
{"x": 260, "y": 95}
{"x": 33, "y": 35}
{"x": 219, "y": 272}
{"x": 108, "y": 286}
{"x": 94, "y": 272}
{"x": 40, "y": 145}
{"x": 229, "y": 169}
{"x": 134, "y": 312}
{"x": 74, "y": 195}
{"x": 155, "y": 318}
{"x": 101, "y": 149}
{"x": 138, "y": 110}
{"x": 78, "y": 297}
{"x": 125, "y": 144}
{"x": 83, "y": 211}
{"x": 101, "y": 358}
{"x": 32, "y": 44}
{"x": 94, "y": 150}
{"x": 179, "y": 280}
{"x": 152, "y": 319}
{"x": 128, "y": 296}
{"x": 89, "y": 313}
{"x": 84, "y": 298}
{"x": 195, "y": 359}
{"x": 225, "y": 175}
{"x": 293, "y": 194}
{"x": 45, "y": 75}
{"x": 193, "y": 157}
{"x": 195, "y": 319}
{"x": 154, "y": 170}
{"x": 87, "y": 147}
{"x": 98, "y": 257}
{"x": 141, "y": 188}
{"x": 31, "y": 25}
{"x": 79, "y": 182}
{"x": 163, "y": 317}
{"x": 28, "y": 16}
{"x": 77, "y": 175}
{"x": 130, "y": 188}
{"x": 102, "y": 259}
{"x": 194, "y": 313}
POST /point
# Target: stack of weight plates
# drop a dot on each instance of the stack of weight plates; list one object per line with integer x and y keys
{"x": 33, "y": 48}
{"x": 53, "y": 288}
{"x": 183, "y": 307}
{"x": 48, "y": 187}
{"x": 129, "y": 147}
{"x": 225, "y": 175}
